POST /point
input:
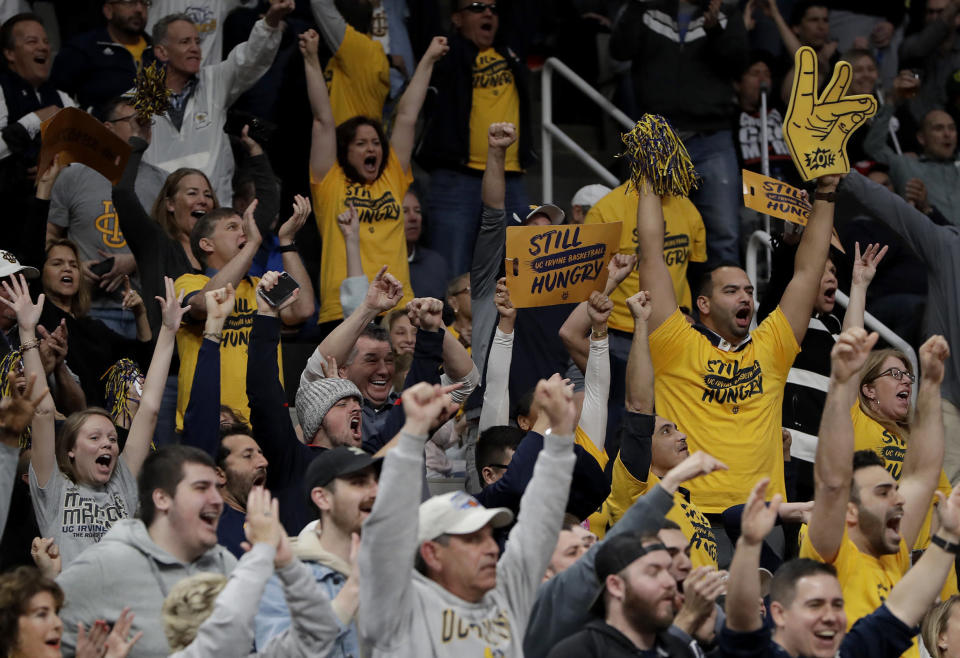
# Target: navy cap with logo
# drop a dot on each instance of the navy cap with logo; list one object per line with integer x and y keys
{"x": 336, "y": 463}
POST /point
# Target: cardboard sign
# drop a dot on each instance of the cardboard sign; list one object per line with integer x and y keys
{"x": 818, "y": 127}
{"x": 78, "y": 137}
{"x": 769, "y": 196}
{"x": 563, "y": 264}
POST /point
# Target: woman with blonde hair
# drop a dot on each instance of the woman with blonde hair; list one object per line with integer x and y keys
{"x": 80, "y": 480}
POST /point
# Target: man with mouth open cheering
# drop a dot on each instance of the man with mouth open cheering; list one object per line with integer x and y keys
{"x": 726, "y": 383}
{"x": 864, "y": 522}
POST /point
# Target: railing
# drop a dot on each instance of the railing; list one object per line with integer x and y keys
{"x": 761, "y": 240}
{"x": 550, "y": 131}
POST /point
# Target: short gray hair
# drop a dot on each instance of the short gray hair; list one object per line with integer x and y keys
{"x": 161, "y": 27}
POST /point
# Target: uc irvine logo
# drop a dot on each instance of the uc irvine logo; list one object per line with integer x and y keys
{"x": 109, "y": 228}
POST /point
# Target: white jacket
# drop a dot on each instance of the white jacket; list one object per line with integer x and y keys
{"x": 201, "y": 143}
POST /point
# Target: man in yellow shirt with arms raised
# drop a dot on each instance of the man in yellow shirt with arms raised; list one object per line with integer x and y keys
{"x": 863, "y": 521}
{"x": 725, "y": 383}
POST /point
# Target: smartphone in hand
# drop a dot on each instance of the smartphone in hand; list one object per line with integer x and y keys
{"x": 281, "y": 292}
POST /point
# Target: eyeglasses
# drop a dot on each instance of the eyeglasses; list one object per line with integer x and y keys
{"x": 131, "y": 118}
{"x": 130, "y": 3}
{"x": 480, "y": 7}
{"x": 898, "y": 374}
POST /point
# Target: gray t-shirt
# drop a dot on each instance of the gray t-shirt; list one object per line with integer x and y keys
{"x": 77, "y": 516}
{"x": 82, "y": 202}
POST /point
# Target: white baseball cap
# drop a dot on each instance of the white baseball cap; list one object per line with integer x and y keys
{"x": 589, "y": 194}
{"x": 458, "y": 513}
{"x": 9, "y": 265}
{"x": 555, "y": 214}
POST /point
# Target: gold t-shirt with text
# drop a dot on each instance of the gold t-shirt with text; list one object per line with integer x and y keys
{"x": 495, "y": 100}
{"x": 382, "y": 240}
{"x": 728, "y": 401}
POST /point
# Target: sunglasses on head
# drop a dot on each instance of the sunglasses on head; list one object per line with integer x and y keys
{"x": 480, "y": 7}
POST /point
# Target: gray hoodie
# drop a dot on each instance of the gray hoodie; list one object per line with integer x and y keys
{"x": 404, "y": 614}
{"x": 228, "y": 631}
{"x": 561, "y": 606}
{"x": 126, "y": 569}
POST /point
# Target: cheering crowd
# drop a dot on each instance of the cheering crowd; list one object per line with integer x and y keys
{"x": 227, "y": 429}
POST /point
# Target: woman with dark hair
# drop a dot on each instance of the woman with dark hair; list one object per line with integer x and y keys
{"x": 79, "y": 486}
{"x": 160, "y": 241}
{"x": 92, "y": 347}
{"x": 30, "y": 625}
{"x": 354, "y": 164}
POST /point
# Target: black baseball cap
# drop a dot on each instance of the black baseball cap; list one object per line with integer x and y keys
{"x": 336, "y": 463}
{"x": 616, "y": 554}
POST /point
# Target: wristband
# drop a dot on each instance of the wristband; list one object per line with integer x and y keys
{"x": 215, "y": 336}
{"x": 287, "y": 248}
{"x": 829, "y": 197}
{"x": 948, "y": 546}
{"x": 29, "y": 345}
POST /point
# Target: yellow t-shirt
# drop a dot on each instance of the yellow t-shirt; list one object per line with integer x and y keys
{"x": 684, "y": 240}
{"x": 495, "y": 99}
{"x": 382, "y": 240}
{"x": 728, "y": 402}
{"x": 624, "y": 491}
{"x": 868, "y": 434}
{"x": 866, "y": 580}
{"x": 233, "y": 346}
{"x": 358, "y": 78}
{"x": 136, "y": 50}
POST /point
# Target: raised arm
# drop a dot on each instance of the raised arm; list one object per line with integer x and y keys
{"x": 833, "y": 465}
{"x": 250, "y": 60}
{"x": 575, "y": 328}
{"x": 744, "y": 599}
{"x": 924, "y": 457}
{"x": 864, "y": 268}
{"x": 494, "y": 187}
{"x": 593, "y": 414}
{"x": 408, "y": 108}
{"x": 654, "y": 275}
{"x": 382, "y": 295}
{"x": 201, "y": 420}
{"x": 301, "y": 310}
{"x": 332, "y": 26}
{"x": 790, "y": 41}
{"x": 496, "y": 394}
{"x": 639, "y": 385}
{"x": 913, "y": 595}
{"x": 145, "y": 421}
{"x": 323, "y": 142}
{"x": 801, "y": 293}
{"x": 16, "y": 411}
{"x": 390, "y": 532}
{"x": 354, "y": 287}
{"x": 42, "y": 456}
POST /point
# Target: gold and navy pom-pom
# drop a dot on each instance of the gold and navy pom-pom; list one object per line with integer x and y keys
{"x": 117, "y": 390}
{"x": 659, "y": 161}
{"x": 151, "y": 96}
{"x": 10, "y": 360}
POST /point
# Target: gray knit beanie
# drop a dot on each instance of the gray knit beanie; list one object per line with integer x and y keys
{"x": 314, "y": 400}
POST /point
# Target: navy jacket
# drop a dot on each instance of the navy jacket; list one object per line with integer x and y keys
{"x": 93, "y": 69}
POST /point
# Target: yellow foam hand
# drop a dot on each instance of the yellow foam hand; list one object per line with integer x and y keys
{"x": 817, "y": 128}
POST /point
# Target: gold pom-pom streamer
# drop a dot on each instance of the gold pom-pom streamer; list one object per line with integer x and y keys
{"x": 116, "y": 392}
{"x": 11, "y": 360}
{"x": 658, "y": 159}
{"x": 151, "y": 96}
